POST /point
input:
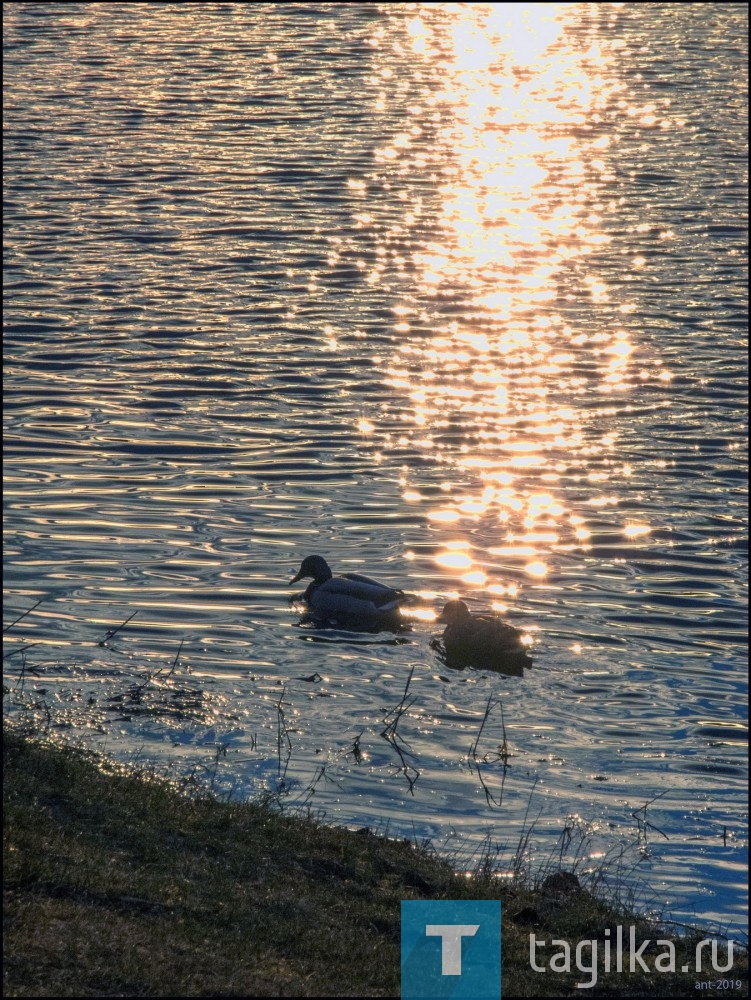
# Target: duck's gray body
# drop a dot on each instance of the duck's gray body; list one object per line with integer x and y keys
{"x": 476, "y": 641}
{"x": 348, "y": 597}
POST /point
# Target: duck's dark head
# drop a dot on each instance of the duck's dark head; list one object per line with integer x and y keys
{"x": 453, "y": 612}
{"x": 315, "y": 567}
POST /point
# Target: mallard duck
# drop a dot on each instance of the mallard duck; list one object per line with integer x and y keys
{"x": 477, "y": 641}
{"x": 348, "y": 597}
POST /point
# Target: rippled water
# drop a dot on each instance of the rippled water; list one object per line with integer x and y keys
{"x": 453, "y": 295}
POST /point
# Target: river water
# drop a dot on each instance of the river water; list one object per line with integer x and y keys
{"x": 453, "y": 295}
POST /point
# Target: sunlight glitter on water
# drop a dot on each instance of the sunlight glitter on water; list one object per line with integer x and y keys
{"x": 518, "y": 206}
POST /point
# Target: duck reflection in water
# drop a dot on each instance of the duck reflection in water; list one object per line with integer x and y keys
{"x": 480, "y": 641}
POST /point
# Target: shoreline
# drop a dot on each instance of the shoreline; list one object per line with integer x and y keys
{"x": 119, "y": 885}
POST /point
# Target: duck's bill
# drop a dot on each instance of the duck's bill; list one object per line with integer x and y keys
{"x": 295, "y": 579}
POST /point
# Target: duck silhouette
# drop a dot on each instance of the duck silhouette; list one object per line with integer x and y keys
{"x": 349, "y": 598}
{"x": 480, "y": 641}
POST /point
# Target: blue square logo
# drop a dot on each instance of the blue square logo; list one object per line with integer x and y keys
{"x": 451, "y": 948}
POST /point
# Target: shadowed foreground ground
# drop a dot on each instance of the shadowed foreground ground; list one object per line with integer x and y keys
{"x": 118, "y": 885}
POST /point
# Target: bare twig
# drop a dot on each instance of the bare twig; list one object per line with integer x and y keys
{"x": 525, "y": 834}
{"x": 114, "y": 631}
{"x": 21, "y": 649}
{"x": 307, "y": 796}
{"x": 177, "y": 657}
{"x": 502, "y": 754}
{"x": 282, "y": 738}
{"x": 354, "y": 748}
{"x": 640, "y": 815}
{"x": 9, "y": 627}
{"x": 396, "y": 741}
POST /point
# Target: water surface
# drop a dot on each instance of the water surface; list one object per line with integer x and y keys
{"x": 451, "y": 295}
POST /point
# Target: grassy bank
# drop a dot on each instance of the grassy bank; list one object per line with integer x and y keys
{"x": 117, "y": 885}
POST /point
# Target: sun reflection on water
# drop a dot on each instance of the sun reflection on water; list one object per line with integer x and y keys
{"x": 521, "y": 172}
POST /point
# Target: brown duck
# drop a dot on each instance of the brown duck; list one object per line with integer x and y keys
{"x": 478, "y": 641}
